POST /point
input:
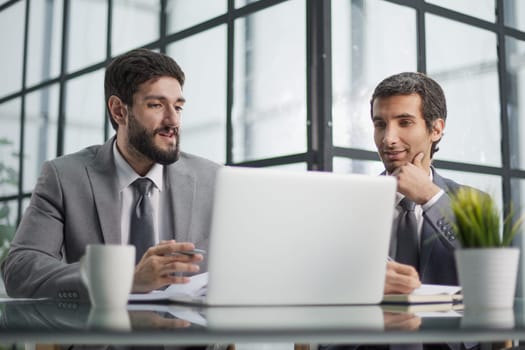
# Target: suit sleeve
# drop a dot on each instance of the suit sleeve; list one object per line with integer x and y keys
{"x": 35, "y": 266}
{"x": 441, "y": 218}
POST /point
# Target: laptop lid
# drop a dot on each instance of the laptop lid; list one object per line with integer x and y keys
{"x": 299, "y": 238}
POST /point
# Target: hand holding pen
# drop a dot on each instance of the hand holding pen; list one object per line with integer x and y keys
{"x": 400, "y": 278}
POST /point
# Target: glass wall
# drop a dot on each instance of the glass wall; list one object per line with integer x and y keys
{"x": 269, "y": 109}
{"x": 254, "y": 79}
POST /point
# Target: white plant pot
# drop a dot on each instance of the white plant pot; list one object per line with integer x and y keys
{"x": 495, "y": 318}
{"x": 488, "y": 276}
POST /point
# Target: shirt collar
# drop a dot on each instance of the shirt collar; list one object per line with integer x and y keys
{"x": 126, "y": 175}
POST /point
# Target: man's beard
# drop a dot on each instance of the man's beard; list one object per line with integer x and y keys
{"x": 143, "y": 141}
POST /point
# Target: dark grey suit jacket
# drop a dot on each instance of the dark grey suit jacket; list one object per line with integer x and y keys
{"x": 76, "y": 203}
{"x": 438, "y": 242}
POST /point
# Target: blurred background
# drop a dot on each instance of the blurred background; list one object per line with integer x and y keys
{"x": 269, "y": 83}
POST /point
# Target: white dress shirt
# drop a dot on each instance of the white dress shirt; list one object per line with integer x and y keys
{"x": 418, "y": 211}
{"x": 128, "y": 196}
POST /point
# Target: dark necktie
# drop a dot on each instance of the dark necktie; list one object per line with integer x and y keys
{"x": 407, "y": 240}
{"x": 141, "y": 229}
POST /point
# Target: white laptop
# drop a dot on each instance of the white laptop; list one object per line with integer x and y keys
{"x": 299, "y": 238}
{"x": 293, "y": 238}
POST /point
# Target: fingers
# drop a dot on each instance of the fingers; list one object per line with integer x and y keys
{"x": 400, "y": 278}
{"x": 161, "y": 265}
{"x": 148, "y": 319}
{"x": 177, "y": 267}
{"x": 169, "y": 247}
{"x": 401, "y": 321}
{"x": 402, "y": 269}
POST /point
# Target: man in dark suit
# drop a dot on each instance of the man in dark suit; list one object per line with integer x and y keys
{"x": 409, "y": 113}
{"x": 89, "y": 197}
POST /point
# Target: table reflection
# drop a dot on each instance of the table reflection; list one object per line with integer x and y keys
{"x": 44, "y": 315}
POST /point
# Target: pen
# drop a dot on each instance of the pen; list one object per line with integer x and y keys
{"x": 189, "y": 252}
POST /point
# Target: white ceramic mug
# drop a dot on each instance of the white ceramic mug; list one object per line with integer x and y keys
{"x": 107, "y": 271}
{"x": 109, "y": 318}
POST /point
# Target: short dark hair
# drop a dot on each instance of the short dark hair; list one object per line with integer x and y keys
{"x": 128, "y": 71}
{"x": 433, "y": 101}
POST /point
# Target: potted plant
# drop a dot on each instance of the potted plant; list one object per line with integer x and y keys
{"x": 487, "y": 264}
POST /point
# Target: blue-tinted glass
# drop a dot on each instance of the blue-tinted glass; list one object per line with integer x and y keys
{"x": 40, "y": 133}
{"x": 483, "y": 9}
{"x": 182, "y": 14}
{"x": 515, "y": 52}
{"x": 515, "y": 14}
{"x": 204, "y": 116}
{"x": 85, "y": 112}
{"x": 469, "y": 78}
{"x": 12, "y": 21}
{"x": 364, "y": 53}
{"x": 269, "y": 111}
{"x": 45, "y": 40}
{"x": 135, "y": 23}
{"x": 9, "y": 147}
{"x": 87, "y": 33}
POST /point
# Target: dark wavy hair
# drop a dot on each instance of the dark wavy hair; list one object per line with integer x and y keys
{"x": 433, "y": 101}
{"x": 128, "y": 71}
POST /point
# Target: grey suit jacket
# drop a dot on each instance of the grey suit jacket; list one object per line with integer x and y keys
{"x": 436, "y": 260}
{"x": 76, "y": 203}
{"x": 438, "y": 242}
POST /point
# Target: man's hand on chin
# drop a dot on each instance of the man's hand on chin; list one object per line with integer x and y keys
{"x": 400, "y": 278}
{"x": 413, "y": 181}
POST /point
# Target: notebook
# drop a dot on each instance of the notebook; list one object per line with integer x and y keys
{"x": 297, "y": 238}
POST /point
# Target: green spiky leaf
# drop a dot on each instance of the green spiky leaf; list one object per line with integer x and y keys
{"x": 477, "y": 221}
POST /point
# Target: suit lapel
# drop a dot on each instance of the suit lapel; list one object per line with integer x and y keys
{"x": 429, "y": 237}
{"x": 181, "y": 191}
{"x": 104, "y": 186}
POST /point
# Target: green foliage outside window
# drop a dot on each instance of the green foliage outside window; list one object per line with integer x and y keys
{"x": 8, "y": 177}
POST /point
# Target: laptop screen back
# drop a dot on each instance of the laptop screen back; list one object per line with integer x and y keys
{"x": 292, "y": 238}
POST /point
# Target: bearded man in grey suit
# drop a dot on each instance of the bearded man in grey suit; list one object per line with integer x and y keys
{"x": 87, "y": 197}
{"x": 409, "y": 113}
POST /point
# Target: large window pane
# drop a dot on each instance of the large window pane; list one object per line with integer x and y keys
{"x": 182, "y": 14}
{"x": 12, "y": 21}
{"x": 515, "y": 14}
{"x": 40, "y": 133}
{"x": 87, "y": 33}
{"x": 516, "y": 100}
{"x": 8, "y": 215}
{"x": 490, "y": 184}
{"x": 291, "y": 167}
{"x": 85, "y": 112}
{"x": 357, "y": 166}
{"x": 484, "y": 9}
{"x": 241, "y": 3}
{"x": 469, "y": 78}
{"x": 45, "y": 39}
{"x": 204, "y": 117}
{"x": 269, "y": 112}
{"x": 135, "y": 23}
{"x": 9, "y": 147}
{"x": 363, "y": 54}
